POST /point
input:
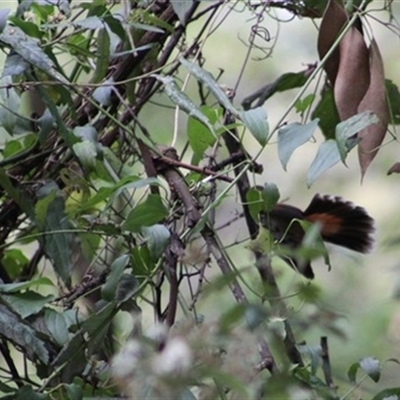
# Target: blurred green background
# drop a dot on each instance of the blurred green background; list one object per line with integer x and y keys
{"x": 360, "y": 289}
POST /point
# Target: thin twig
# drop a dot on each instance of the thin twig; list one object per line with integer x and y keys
{"x": 10, "y": 363}
{"x": 326, "y": 365}
{"x": 173, "y": 253}
{"x": 195, "y": 168}
{"x": 262, "y": 262}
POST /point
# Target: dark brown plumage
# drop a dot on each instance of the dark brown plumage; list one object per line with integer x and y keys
{"x": 341, "y": 222}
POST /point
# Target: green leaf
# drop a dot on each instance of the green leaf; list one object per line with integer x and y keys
{"x": 388, "y": 394}
{"x": 77, "y": 45}
{"x": 142, "y": 262}
{"x": 3, "y": 18}
{"x": 327, "y": 156}
{"x": 157, "y": 237}
{"x": 372, "y": 367}
{"x": 27, "y": 303}
{"x": 117, "y": 26}
{"x": 88, "y": 338}
{"x": 127, "y": 287}
{"x": 327, "y": 114}
{"x": 349, "y": 128}
{"x": 134, "y": 50}
{"x": 50, "y": 217}
{"x": 87, "y": 132}
{"x": 308, "y": 292}
{"x": 19, "y": 332}
{"x": 313, "y": 353}
{"x": 106, "y": 193}
{"x": 292, "y": 136}
{"x": 210, "y": 83}
{"x": 199, "y": 136}
{"x": 6, "y": 389}
{"x": 14, "y": 261}
{"x": 23, "y": 201}
{"x": 74, "y": 391}
{"x": 102, "y": 55}
{"x": 73, "y": 354}
{"x": 14, "y": 65}
{"x": 9, "y": 105}
{"x": 262, "y": 199}
{"x": 263, "y": 243}
{"x": 46, "y": 123}
{"x": 291, "y": 80}
{"x": 86, "y": 152}
{"x": 57, "y": 324}
{"x": 183, "y": 101}
{"x": 255, "y": 202}
{"x": 255, "y": 121}
{"x": 270, "y": 196}
{"x": 146, "y": 27}
{"x": 154, "y": 21}
{"x": 98, "y": 8}
{"x": 100, "y": 319}
{"x": 303, "y": 104}
{"x": 26, "y": 392}
{"x": 393, "y": 96}
{"x": 29, "y": 49}
{"x": 287, "y": 81}
{"x": 102, "y": 94}
{"x": 117, "y": 268}
{"x": 181, "y": 8}
{"x": 18, "y": 287}
{"x": 147, "y": 213}
{"x": 43, "y": 11}
{"x": 312, "y": 245}
{"x": 42, "y": 206}
{"x": 137, "y": 184}
{"x": 92, "y": 23}
{"x": 28, "y": 27}
{"x": 11, "y": 148}
{"x": 90, "y": 242}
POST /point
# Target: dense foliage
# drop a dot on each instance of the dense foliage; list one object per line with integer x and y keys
{"x": 117, "y": 277}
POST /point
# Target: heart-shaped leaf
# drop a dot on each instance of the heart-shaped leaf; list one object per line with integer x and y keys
{"x": 292, "y": 136}
{"x": 327, "y": 156}
{"x": 256, "y": 122}
{"x": 347, "y": 130}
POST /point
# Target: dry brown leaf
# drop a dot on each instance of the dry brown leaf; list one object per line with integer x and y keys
{"x": 394, "y": 169}
{"x": 353, "y": 76}
{"x": 375, "y": 102}
{"x": 332, "y": 23}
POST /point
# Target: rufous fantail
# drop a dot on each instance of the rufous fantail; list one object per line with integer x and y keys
{"x": 341, "y": 222}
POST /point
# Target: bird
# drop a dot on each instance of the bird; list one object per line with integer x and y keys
{"x": 340, "y": 222}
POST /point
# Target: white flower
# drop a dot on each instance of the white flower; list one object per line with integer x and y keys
{"x": 125, "y": 362}
{"x": 157, "y": 333}
{"x": 176, "y": 358}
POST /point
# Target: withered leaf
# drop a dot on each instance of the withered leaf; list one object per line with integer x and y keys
{"x": 353, "y": 76}
{"x": 332, "y": 23}
{"x": 375, "y": 102}
{"x": 394, "y": 169}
